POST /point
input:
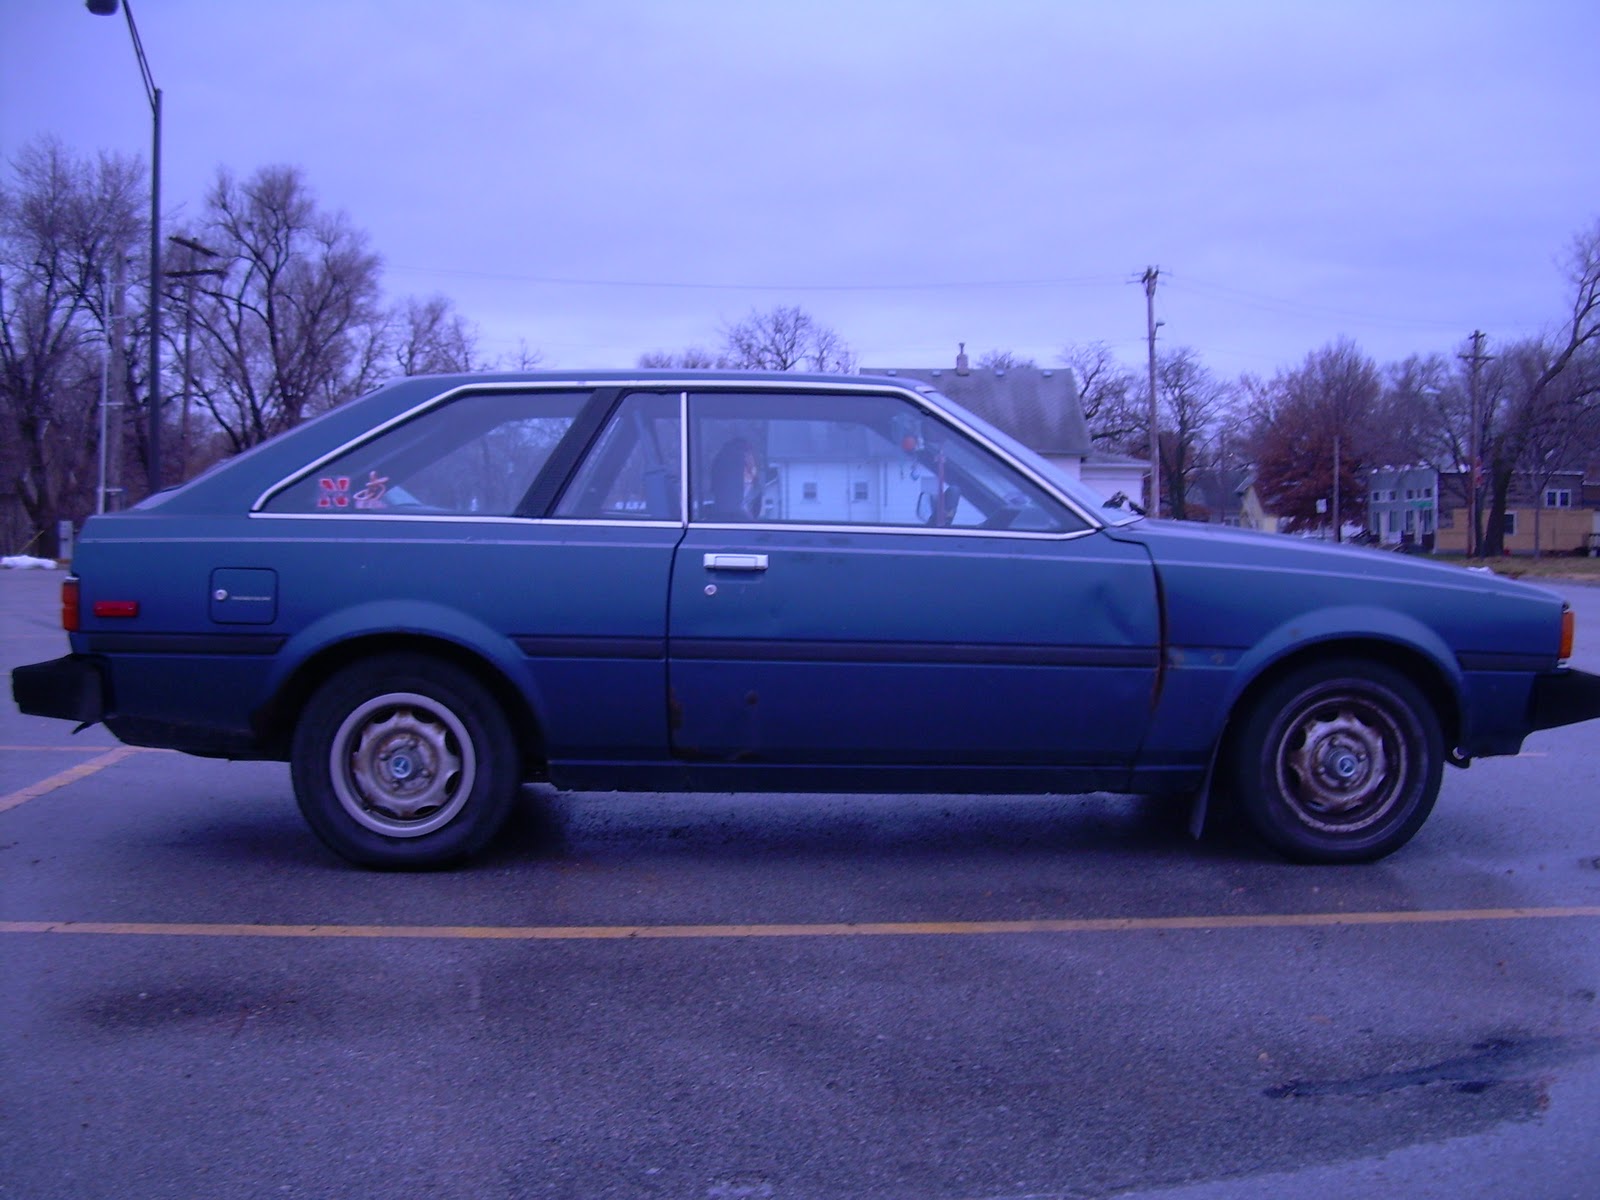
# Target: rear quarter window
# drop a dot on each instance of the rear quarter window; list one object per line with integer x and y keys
{"x": 477, "y": 455}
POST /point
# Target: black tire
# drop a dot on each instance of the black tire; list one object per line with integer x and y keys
{"x": 404, "y": 761}
{"x": 1338, "y": 762}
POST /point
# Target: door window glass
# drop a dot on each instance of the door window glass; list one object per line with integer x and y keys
{"x": 478, "y": 455}
{"x": 815, "y": 458}
{"x": 632, "y": 472}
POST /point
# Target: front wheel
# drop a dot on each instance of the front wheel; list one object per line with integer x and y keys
{"x": 1338, "y": 762}
{"x": 404, "y": 761}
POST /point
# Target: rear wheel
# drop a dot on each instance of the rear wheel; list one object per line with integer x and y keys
{"x": 404, "y": 761}
{"x": 1338, "y": 762}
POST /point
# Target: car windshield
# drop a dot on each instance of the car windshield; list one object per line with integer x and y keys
{"x": 1084, "y": 497}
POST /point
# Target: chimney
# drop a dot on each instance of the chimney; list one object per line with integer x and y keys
{"x": 961, "y": 360}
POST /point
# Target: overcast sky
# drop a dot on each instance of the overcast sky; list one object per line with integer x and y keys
{"x": 603, "y": 178}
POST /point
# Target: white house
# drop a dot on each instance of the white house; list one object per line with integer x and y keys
{"x": 1039, "y": 407}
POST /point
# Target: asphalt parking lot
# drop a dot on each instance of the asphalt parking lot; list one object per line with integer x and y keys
{"x": 974, "y": 998}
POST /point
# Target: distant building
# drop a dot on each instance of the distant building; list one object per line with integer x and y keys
{"x": 1403, "y": 506}
{"x": 1253, "y": 512}
{"x": 1216, "y": 496}
{"x": 1559, "y": 514}
{"x": 1039, "y": 407}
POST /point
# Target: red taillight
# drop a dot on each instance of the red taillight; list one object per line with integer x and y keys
{"x": 69, "y": 604}
{"x": 116, "y": 608}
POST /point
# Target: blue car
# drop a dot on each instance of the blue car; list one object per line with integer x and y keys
{"x": 751, "y": 582}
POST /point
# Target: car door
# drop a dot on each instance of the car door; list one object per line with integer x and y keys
{"x": 872, "y": 586}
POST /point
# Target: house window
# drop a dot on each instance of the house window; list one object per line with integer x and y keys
{"x": 1510, "y": 528}
{"x": 1411, "y": 493}
{"x": 1558, "y": 498}
{"x": 808, "y": 489}
{"x": 861, "y": 489}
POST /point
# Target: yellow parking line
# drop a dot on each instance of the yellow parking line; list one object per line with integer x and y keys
{"x": 562, "y": 933}
{"x": 62, "y": 778}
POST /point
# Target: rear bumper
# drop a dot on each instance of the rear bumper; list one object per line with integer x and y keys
{"x": 1563, "y": 698}
{"x": 70, "y": 689}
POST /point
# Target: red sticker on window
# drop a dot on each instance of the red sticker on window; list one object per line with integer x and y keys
{"x": 335, "y": 492}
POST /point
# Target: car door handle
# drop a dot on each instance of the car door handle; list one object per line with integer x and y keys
{"x": 736, "y": 562}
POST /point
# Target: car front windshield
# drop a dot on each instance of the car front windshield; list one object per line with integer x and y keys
{"x": 1084, "y": 497}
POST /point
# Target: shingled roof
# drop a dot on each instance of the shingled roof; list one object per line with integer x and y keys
{"x": 1037, "y": 406}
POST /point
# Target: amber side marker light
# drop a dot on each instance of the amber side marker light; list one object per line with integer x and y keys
{"x": 69, "y": 604}
{"x": 1569, "y": 631}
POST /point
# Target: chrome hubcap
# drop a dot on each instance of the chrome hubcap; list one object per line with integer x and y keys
{"x": 1342, "y": 763}
{"x": 403, "y": 765}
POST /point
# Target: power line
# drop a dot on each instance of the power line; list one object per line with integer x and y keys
{"x": 702, "y": 285}
{"x": 1281, "y": 305}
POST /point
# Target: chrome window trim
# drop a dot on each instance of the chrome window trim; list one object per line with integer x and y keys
{"x": 922, "y": 402}
{"x": 683, "y": 458}
{"x": 684, "y": 386}
{"x": 367, "y": 517}
{"x": 1030, "y": 535}
{"x": 416, "y": 410}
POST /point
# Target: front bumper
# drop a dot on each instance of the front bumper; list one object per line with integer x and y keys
{"x": 1563, "y": 697}
{"x": 70, "y": 689}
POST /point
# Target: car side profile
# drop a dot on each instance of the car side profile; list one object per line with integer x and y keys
{"x": 754, "y": 582}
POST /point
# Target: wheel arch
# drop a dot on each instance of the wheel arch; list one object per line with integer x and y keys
{"x": 1423, "y": 670}
{"x": 276, "y": 720}
{"x": 1420, "y": 668}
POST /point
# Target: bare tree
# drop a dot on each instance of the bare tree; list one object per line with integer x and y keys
{"x": 1548, "y": 384}
{"x": 523, "y": 358}
{"x": 1555, "y": 431}
{"x": 1191, "y": 401}
{"x": 1535, "y": 424}
{"x": 292, "y": 328}
{"x": 431, "y": 338}
{"x": 1003, "y": 360}
{"x": 1108, "y": 394}
{"x": 695, "y": 358}
{"x": 785, "y": 339}
{"x": 1423, "y": 414}
{"x": 65, "y": 225}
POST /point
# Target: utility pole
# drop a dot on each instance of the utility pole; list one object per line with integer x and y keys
{"x": 1151, "y": 274}
{"x": 1474, "y": 452}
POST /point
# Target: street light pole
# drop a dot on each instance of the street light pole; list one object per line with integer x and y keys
{"x": 108, "y": 8}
